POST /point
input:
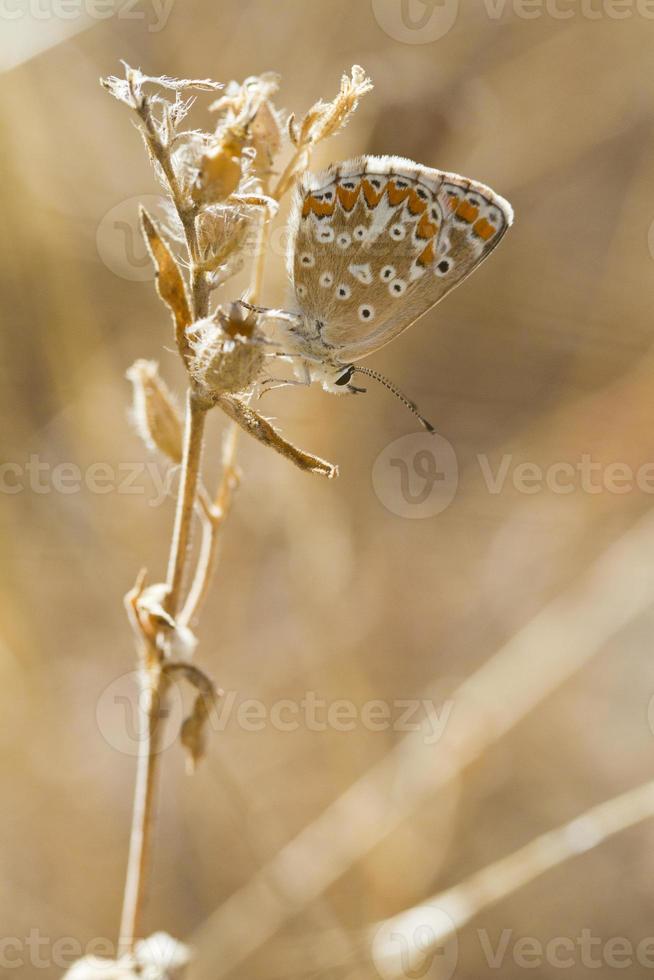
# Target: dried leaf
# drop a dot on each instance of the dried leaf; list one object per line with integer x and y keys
{"x": 260, "y": 428}
{"x": 193, "y": 733}
{"x": 154, "y": 412}
{"x": 170, "y": 282}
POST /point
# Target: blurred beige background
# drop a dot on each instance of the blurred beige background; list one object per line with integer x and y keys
{"x": 543, "y": 357}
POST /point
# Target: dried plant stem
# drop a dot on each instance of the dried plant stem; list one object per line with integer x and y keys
{"x": 196, "y": 412}
{"x": 458, "y": 905}
{"x": 213, "y": 518}
{"x": 299, "y": 161}
{"x": 256, "y": 284}
{"x": 161, "y": 154}
{"x": 541, "y": 656}
{"x": 154, "y": 684}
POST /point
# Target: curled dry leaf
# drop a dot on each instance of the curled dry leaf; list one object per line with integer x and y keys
{"x": 194, "y": 730}
{"x": 193, "y": 733}
{"x": 170, "y": 282}
{"x": 260, "y": 428}
{"x": 154, "y": 413}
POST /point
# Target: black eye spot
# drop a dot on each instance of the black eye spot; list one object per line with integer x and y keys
{"x": 328, "y": 196}
{"x": 348, "y": 185}
{"x": 444, "y": 266}
{"x": 421, "y": 193}
{"x": 397, "y": 287}
{"x": 345, "y": 378}
{"x": 401, "y": 184}
{"x": 376, "y": 183}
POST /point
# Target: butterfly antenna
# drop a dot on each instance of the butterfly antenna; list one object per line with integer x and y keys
{"x": 398, "y": 394}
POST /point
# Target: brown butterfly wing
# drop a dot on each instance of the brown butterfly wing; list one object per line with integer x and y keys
{"x": 379, "y": 241}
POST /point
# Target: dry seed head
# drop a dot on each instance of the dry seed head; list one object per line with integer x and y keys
{"x": 221, "y": 231}
{"x": 240, "y": 103}
{"x": 186, "y": 160}
{"x": 326, "y": 118}
{"x": 154, "y": 412}
{"x": 228, "y": 351}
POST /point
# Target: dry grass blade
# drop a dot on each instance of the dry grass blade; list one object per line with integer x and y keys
{"x": 561, "y": 639}
{"x": 439, "y": 917}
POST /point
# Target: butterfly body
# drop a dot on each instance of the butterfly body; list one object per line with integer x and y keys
{"x": 375, "y": 243}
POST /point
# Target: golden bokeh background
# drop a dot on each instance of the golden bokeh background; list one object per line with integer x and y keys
{"x": 543, "y": 357}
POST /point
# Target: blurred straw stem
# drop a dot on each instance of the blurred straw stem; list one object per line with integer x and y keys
{"x": 140, "y": 836}
{"x": 196, "y": 412}
{"x": 457, "y": 906}
{"x": 213, "y": 518}
{"x": 541, "y": 656}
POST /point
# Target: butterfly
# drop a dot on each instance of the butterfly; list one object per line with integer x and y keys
{"x": 376, "y": 242}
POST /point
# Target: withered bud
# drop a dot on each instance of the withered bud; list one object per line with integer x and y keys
{"x": 154, "y": 412}
{"x": 154, "y": 618}
{"x": 228, "y": 350}
{"x": 220, "y": 170}
{"x": 266, "y": 135}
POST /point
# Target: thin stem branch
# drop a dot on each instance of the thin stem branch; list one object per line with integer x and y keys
{"x": 213, "y": 519}
{"x": 196, "y": 413}
{"x": 153, "y": 690}
{"x": 161, "y": 154}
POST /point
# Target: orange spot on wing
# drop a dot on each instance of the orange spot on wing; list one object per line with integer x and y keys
{"x": 467, "y": 212}
{"x": 371, "y": 194}
{"x": 396, "y": 194}
{"x": 322, "y": 209}
{"x": 453, "y": 201}
{"x": 416, "y": 203}
{"x": 427, "y": 255}
{"x": 348, "y": 198}
{"x": 426, "y": 228}
{"x": 484, "y": 229}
